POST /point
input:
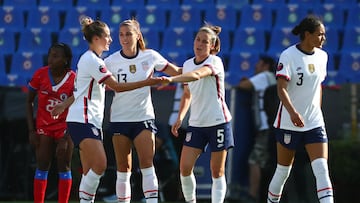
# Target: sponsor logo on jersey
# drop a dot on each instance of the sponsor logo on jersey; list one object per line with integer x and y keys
{"x": 287, "y": 138}
{"x": 132, "y": 68}
{"x": 311, "y": 68}
{"x": 102, "y": 69}
{"x": 279, "y": 67}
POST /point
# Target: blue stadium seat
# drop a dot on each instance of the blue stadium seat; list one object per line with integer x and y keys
{"x": 74, "y": 61}
{"x": 351, "y": 42}
{"x": 185, "y": 16}
{"x": 280, "y": 39}
{"x": 74, "y": 38}
{"x": 178, "y": 40}
{"x": 58, "y": 4}
{"x": 23, "y": 4}
{"x": 249, "y": 40}
{"x": 129, "y": 4}
{"x": 270, "y": 3}
{"x": 241, "y": 65}
{"x": 34, "y": 39}
{"x": 353, "y": 17}
{"x": 175, "y": 57}
{"x": 334, "y": 79}
{"x": 151, "y": 37}
{"x": 12, "y": 18}
{"x": 75, "y": 14}
{"x": 7, "y": 41}
{"x": 332, "y": 42}
{"x": 257, "y": 16}
{"x": 94, "y": 4}
{"x": 166, "y": 4}
{"x": 152, "y": 16}
{"x": 44, "y": 17}
{"x": 349, "y": 66}
{"x": 225, "y": 40}
{"x": 3, "y": 69}
{"x": 203, "y": 4}
{"x": 238, "y": 4}
{"x": 114, "y": 15}
{"x": 346, "y": 4}
{"x": 25, "y": 63}
{"x": 222, "y": 15}
{"x": 305, "y": 3}
{"x": 12, "y": 80}
{"x": 332, "y": 15}
{"x": 289, "y": 15}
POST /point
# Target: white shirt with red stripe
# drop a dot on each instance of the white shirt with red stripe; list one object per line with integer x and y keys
{"x": 305, "y": 73}
{"x": 89, "y": 91}
{"x": 208, "y": 107}
{"x": 135, "y": 105}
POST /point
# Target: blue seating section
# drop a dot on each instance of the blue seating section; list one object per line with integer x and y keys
{"x": 249, "y": 28}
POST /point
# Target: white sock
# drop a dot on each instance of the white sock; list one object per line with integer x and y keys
{"x": 150, "y": 184}
{"x": 277, "y": 183}
{"x": 218, "y": 189}
{"x": 323, "y": 183}
{"x": 88, "y": 186}
{"x": 123, "y": 187}
{"x": 188, "y": 185}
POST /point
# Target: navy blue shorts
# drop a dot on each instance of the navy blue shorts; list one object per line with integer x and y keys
{"x": 219, "y": 137}
{"x": 132, "y": 129}
{"x": 80, "y": 131}
{"x": 294, "y": 139}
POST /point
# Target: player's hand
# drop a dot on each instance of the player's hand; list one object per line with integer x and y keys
{"x": 57, "y": 110}
{"x": 175, "y": 127}
{"x": 165, "y": 81}
{"x": 297, "y": 120}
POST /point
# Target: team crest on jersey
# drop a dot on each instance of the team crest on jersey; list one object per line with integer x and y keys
{"x": 287, "y": 138}
{"x": 311, "y": 68}
{"x": 102, "y": 69}
{"x": 188, "y": 136}
{"x": 63, "y": 96}
{"x": 279, "y": 67}
{"x": 132, "y": 68}
{"x": 145, "y": 65}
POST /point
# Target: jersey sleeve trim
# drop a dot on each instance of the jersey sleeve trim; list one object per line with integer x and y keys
{"x": 103, "y": 79}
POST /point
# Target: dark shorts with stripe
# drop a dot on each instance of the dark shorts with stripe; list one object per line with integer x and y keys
{"x": 80, "y": 131}
{"x": 218, "y": 138}
{"x": 132, "y": 129}
{"x": 294, "y": 139}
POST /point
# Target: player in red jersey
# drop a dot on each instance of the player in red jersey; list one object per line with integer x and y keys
{"x": 52, "y": 84}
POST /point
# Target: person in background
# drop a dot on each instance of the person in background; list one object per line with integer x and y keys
{"x": 209, "y": 121}
{"x": 85, "y": 116}
{"x": 299, "y": 122}
{"x": 132, "y": 119}
{"x": 51, "y": 84}
{"x": 259, "y": 156}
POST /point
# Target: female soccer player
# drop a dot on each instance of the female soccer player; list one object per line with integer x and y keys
{"x": 209, "y": 121}
{"x": 52, "y": 84}
{"x": 85, "y": 115}
{"x": 299, "y": 121}
{"x": 132, "y": 120}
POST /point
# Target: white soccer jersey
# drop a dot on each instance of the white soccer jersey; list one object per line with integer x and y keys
{"x": 135, "y": 105}
{"x": 260, "y": 82}
{"x": 208, "y": 107}
{"x": 304, "y": 73}
{"x": 89, "y": 91}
